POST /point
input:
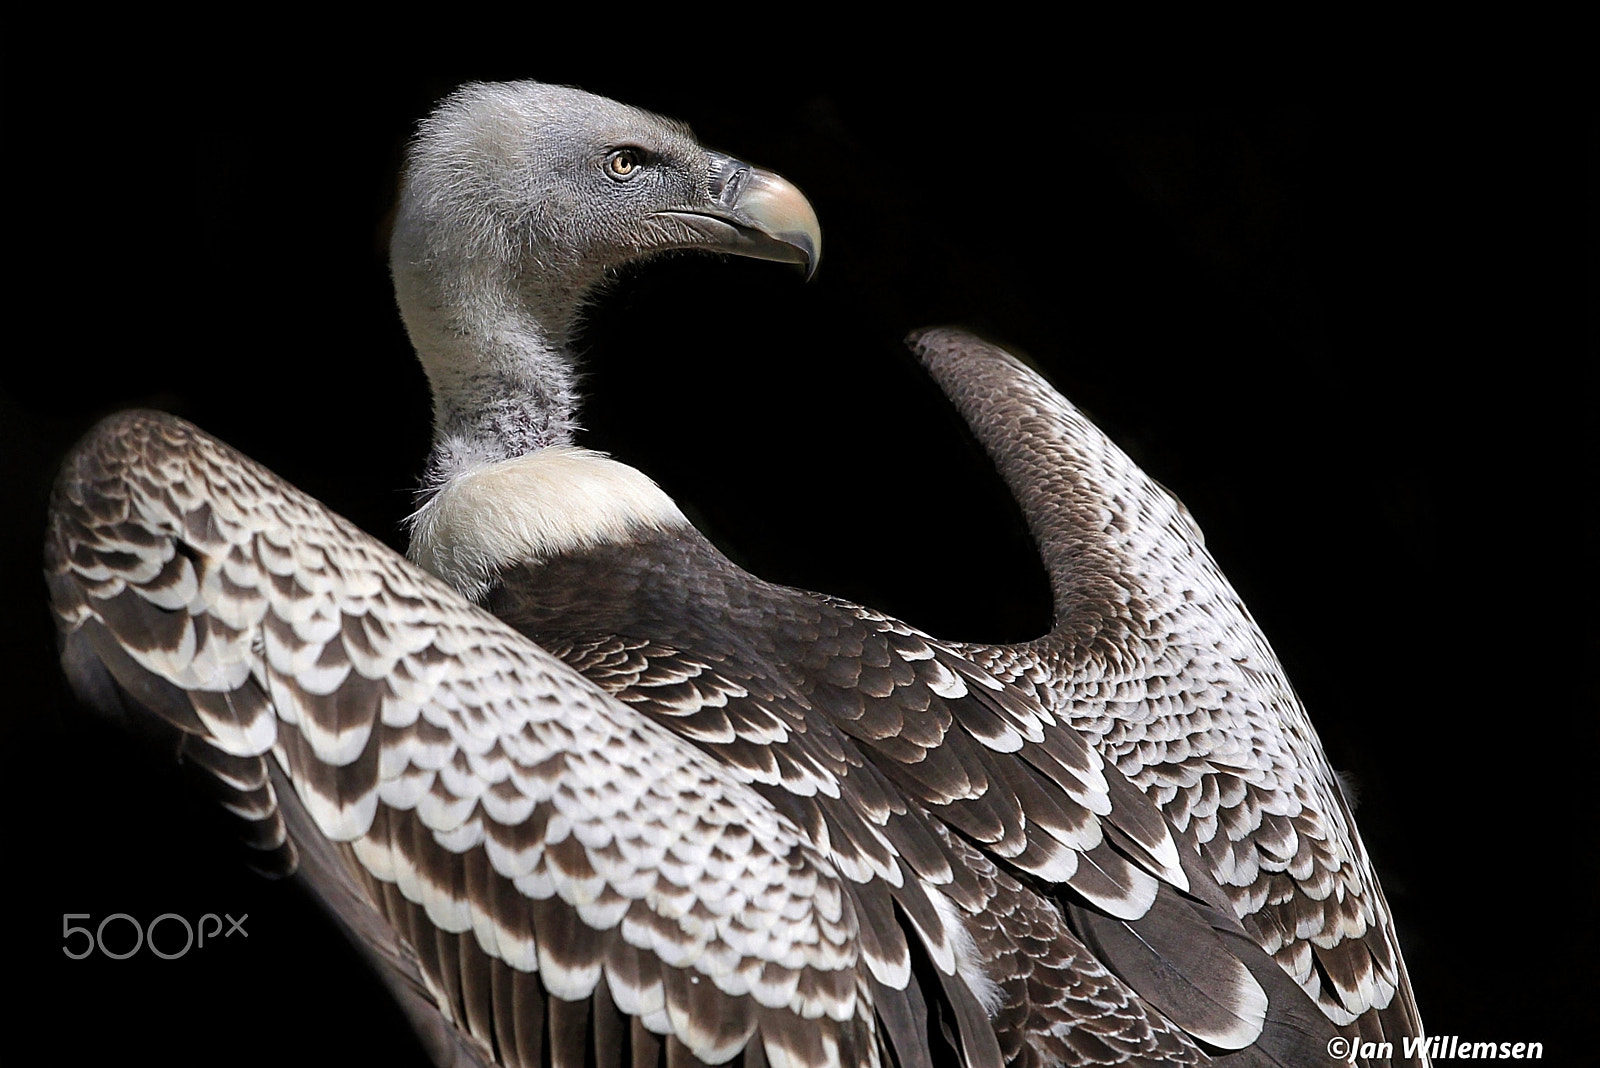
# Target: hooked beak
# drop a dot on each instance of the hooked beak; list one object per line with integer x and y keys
{"x": 756, "y": 213}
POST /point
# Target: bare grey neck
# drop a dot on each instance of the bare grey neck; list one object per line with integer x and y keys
{"x": 495, "y": 346}
{"x": 509, "y": 396}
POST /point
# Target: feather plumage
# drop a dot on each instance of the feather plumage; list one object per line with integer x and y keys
{"x": 502, "y": 812}
{"x": 1155, "y": 659}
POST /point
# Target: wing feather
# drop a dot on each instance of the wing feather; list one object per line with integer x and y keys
{"x": 1155, "y": 659}
{"x": 228, "y": 607}
{"x": 897, "y": 771}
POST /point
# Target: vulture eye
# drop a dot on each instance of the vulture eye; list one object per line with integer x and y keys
{"x": 624, "y": 163}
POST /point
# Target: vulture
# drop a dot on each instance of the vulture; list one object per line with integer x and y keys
{"x": 584, "y": 792}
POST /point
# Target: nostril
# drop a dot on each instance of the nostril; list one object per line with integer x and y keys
{"x": 730, "y": 185}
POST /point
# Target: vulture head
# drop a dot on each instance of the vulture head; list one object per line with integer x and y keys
{"x": 518, "y": 200}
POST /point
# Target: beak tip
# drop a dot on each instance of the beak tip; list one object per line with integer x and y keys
{"x": 813, "y": 254}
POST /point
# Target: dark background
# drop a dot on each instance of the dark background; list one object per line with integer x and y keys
{"x": 1347, "y": 335}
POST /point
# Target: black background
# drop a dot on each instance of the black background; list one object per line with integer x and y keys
{"x": 1343, "y": 333}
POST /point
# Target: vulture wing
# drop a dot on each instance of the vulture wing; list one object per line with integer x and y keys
{"x": 542, "y": 875}
{"x": 932, "y": 787}
{"x": 1154, "y": 658}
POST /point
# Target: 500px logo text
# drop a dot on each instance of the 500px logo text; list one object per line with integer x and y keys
{"x": 145, "y": 937}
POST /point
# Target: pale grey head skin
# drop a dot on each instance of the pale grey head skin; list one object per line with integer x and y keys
{"x": 518, "y": 199}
